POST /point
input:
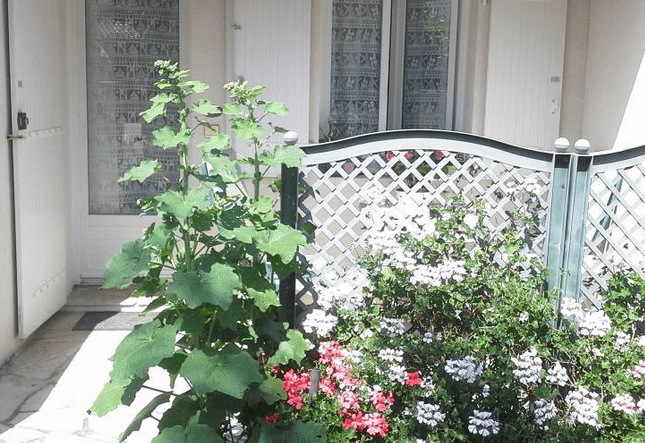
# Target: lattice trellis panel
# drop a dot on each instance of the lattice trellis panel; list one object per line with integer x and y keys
{"x": 615, "y": 232}
{"x": 331, "y": 200}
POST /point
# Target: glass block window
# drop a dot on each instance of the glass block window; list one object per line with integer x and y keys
{"x": 124, "y": 39}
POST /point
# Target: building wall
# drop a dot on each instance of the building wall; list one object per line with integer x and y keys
{"x": 614, "y": 102}
{"x": 8, "y": 322}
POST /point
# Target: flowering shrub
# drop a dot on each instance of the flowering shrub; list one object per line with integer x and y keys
{"x": 453, "y": 338}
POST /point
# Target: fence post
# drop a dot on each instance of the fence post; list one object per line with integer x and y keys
{"x": 576, "y": 225}
{"x": 556, "y": 243}
{"x": 288, "y": 214}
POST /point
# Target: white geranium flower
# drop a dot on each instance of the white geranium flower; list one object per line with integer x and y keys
{"x": 465, "y": 369}
{"x": 623, "y": 403}
{"x": 594, "y": 323}
{"x": 481, "y": 423}
{"x": 544, "y": 411}
{"x": 429, "y": 414}
{"x": 320, "y": 323}
{"x": 528, "y": 367}
{"x": 584, "y": 406}
{"x": 557, "y": 375}
{"x": 389, "y": 354}
{"x": 393, "y": 326}
{"x": 471, "y": 220}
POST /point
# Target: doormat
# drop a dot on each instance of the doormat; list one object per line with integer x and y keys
{"x": 110, "y": 321}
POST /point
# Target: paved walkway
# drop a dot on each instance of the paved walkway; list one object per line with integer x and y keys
{"x": 48, "y": 386}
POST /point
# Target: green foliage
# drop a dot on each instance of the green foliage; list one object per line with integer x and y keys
{"x": 205, "y": 267}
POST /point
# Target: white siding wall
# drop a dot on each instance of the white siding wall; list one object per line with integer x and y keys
{"x": 615, "y": 81}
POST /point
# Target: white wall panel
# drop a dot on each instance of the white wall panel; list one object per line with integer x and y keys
{"x": 524, "y": 81}
{"x": 269, "y": 43}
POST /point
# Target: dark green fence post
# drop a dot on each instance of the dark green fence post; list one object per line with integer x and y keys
{"x": 557, "y": 230}
{"x": 576, "y": 226}
{"x": 288, "y": 214}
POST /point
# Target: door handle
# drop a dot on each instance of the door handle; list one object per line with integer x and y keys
{"x": 11, "y": 137}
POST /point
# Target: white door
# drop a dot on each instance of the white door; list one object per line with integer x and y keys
{"x": 525, "y": 63}
{"x": 38, "y": 91}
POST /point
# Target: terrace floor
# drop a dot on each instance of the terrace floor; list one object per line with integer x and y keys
{"x": 48, "y": 386}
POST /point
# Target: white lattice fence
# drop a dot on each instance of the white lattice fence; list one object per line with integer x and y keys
{"x": 615, "y": 231}
{"x": 332, "y": 198}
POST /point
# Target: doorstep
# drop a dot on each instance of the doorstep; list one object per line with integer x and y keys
{"x": 86, "y": 298}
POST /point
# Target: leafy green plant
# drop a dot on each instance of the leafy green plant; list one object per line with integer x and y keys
{"x": 208, "y": 267}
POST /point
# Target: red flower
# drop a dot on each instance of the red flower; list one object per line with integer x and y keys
{"x": 413, "y": 379}
{"x": 438, "y": 155}
{"x": 409, "y": 155}
{"x": 273, "y": 418}
{"x": 389, "y": 156}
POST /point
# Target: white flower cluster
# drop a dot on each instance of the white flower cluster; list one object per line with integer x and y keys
{"x": 394, "y": 326}
{"x": 429, "y": 337}
{"x": 320, "y": 323}
{"x": 397, "y": 373}
{"x": 389, "y": 354}
{"x": 639, "y": 370}
{"x": 624, "y": 403}
{"x": 481, "y": 423}
{"x": 465, "y": 369}
{"x": 524, "y": 317}
{"x": 621, "y": 341}
{"x": 557, "y": 375}
{"x": 544, "y": 411}
{"x": 443, "y": 273}
{"x": 425, "y": 275}
{"x": 570, "y": 307}
{"x": 429, "y": 414}
{"x": 528, "y": 367}
{"x": 373, "y": 196}
{"x": 592, "y": 323}
{"x": 584, "y": 404}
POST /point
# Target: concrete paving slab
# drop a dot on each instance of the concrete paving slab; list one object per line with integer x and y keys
{"x": 50, "y": 384}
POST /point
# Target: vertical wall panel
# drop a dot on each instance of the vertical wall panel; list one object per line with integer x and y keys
{"x": 270, "y": 45}
{"x": 525, "y": 62}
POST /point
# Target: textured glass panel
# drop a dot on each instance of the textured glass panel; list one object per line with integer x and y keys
{"x": 355, "y": 67}
{"x": 425, "y": 73}
{"x": 124, "y": 38}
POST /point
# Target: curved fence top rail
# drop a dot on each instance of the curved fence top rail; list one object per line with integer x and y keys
{"x": 616, "y": 160}
{"x": 426, "y": 139}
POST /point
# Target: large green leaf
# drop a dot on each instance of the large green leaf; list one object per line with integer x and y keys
{"x": 287, "y": 155}
{"x": 276, "y": 108}
{"x": 246, "y": 129}
{"x": 205, "y": 107}
{"x": 224, "y": 167}
{"x": 157, "y": 108}
{"x": 218, "y": 142}
{"x": 194, "y": 86}
{"x": 143, "y": 414}
{"x": 127, "y": 264}
{"x": 140, "y": 173}
{"x": 216, "y": 287}
{"x": 117, "y": 392}
{"x": 230, "y": 371}
{"x": 143, "y": 348}
{"x": 183, "y": 205}
{"x": 193, "y": 433}
{"x": 282, "y": 241}
{"x": 293, "y": 349}
{"x": 259, "y": 288}
{"x": 166, "y": 138}
{"x": 297, "y": 432}
{"x": 233, "y": 108}
{"x": 270, "y": 391}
